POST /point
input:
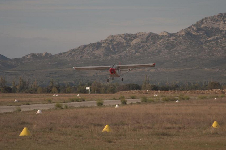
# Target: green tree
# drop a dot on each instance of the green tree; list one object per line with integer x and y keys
{"x": 35, "y": 86}
{"x": 21, "y": 87}
{"x": 50, "y": 87}
{"x": 54, "y": 90}
{"x": 81, "y": 89}
{"x": 13, "y": 87}
{"x": 96, "y": 87}
{"x": 146, "y": 84}
{"x": 3, "y": 87}
{"x": 2, "y": 82}
{"x": 40, "y": 90}
{"x": 112, "y": 88}
{"x": 68, "y": 89}
{"x": 214, "y": 85}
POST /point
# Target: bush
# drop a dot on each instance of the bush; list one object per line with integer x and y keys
{"x": 133, "y": 97}
{"x": 144, "y": 99}
{"x": 184, "y": 97}
{"x": 123, "y": 100}
{"x": 121, "y": 97}
{"x": 167, "y": 99}
{"x": 27, "y": 103}
{"x": 58, "y": 106}
{"x": 202, "y": 97}
{"x": 48, "y": 100}
{"x": 18, "y": 109}
{"x": 100, "y": 103}
{"x": 77, "y": 99}
{"x": 150, "y": 100}
{"x": 214, "y": 96}
{"x": 65, "y": 106}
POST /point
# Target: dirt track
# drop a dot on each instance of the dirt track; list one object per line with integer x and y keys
{"x": 4, "y": 109}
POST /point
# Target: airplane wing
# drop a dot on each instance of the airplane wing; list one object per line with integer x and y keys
{"x": 121, "y": 67}
{"x": 93, "y": 68}
{"x": 135, "y": 66}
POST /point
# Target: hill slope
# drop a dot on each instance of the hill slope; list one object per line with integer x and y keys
{"x": 197, "y": 53}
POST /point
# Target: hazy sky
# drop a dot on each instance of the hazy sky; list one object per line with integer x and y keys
{"x": 54, "y": 26}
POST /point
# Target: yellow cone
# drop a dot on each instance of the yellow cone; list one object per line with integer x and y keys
{"x": 106, "y": 129}
{"x": 25, "y": 132}
{"x": 215, "y": 124}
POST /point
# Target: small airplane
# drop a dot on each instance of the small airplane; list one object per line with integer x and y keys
{"x": 115, "y": 70}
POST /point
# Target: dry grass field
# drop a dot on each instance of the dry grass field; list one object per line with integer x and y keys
{"x": 28, "y": 99}
{"x": 155, "y": 125}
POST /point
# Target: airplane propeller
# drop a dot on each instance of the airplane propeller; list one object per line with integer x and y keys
{"x": 116, "y": 71}
{"x": 113, "y": 66}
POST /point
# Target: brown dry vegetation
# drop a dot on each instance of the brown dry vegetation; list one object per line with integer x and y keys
{"x": 169, "y": 125}
{"x": 27, "y": 99}
{"x": 24, "y": 99}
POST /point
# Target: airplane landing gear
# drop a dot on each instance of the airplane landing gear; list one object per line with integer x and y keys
{"x": 107, "y": 80}
{"x": 122, "y": 79}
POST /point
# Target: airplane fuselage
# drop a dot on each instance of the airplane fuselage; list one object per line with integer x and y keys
{"x": 113, "y": 72}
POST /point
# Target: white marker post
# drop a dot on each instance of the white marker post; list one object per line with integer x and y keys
{"x": 88, "y": 88}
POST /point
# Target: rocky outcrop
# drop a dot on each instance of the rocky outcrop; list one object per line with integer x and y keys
{"x": 37, "y": 55}
{"x": 2, "y": 57}
{"x": 201, "y": 46}
{"x": 204, "y": 39}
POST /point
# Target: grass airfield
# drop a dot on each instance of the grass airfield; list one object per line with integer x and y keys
{"x": 154, "y": 125}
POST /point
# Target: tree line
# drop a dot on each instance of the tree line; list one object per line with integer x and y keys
{"x": 23, "y": 86}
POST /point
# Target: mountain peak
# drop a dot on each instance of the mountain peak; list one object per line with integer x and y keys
{"x": 38, "y": 55}
{"x": 217, "y": 21}
{"x": 164, "y": 33}
{"x": 207, "y": 27}
{"x": 200, "y": 46}
{"x": 2, "y": 57}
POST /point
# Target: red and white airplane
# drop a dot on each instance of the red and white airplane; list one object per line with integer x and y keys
{"x": 115, "y": 70}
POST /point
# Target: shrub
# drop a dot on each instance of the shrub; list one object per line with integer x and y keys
{"x": 202, "y": 97}
{"x": 150, "y": 100}
{"x": 167, "y": 99}
{"x": 71, "y": 99}
{"x": 144, "y": 99}
{"x": 48, "y": 100}
{"x": 133, "y": 97}
{"x": 65, "y": 106}
{"x": 18, "y": 109}
{"x": 58, "y": 106}
{"x": 123, "y": 100}
{"x": 77, "y": 99}
{"x": 100, "y": 103}
{"x": 184, "y": 97}
{"x": 121, "y": 97}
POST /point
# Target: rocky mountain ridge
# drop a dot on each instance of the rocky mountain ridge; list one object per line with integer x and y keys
{"x": 201, "y": 46}
{"x": 207, "y": 36}
{"x": 2, "y": 57}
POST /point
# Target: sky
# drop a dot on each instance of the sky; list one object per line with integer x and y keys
{"x": 55, "y": 26}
